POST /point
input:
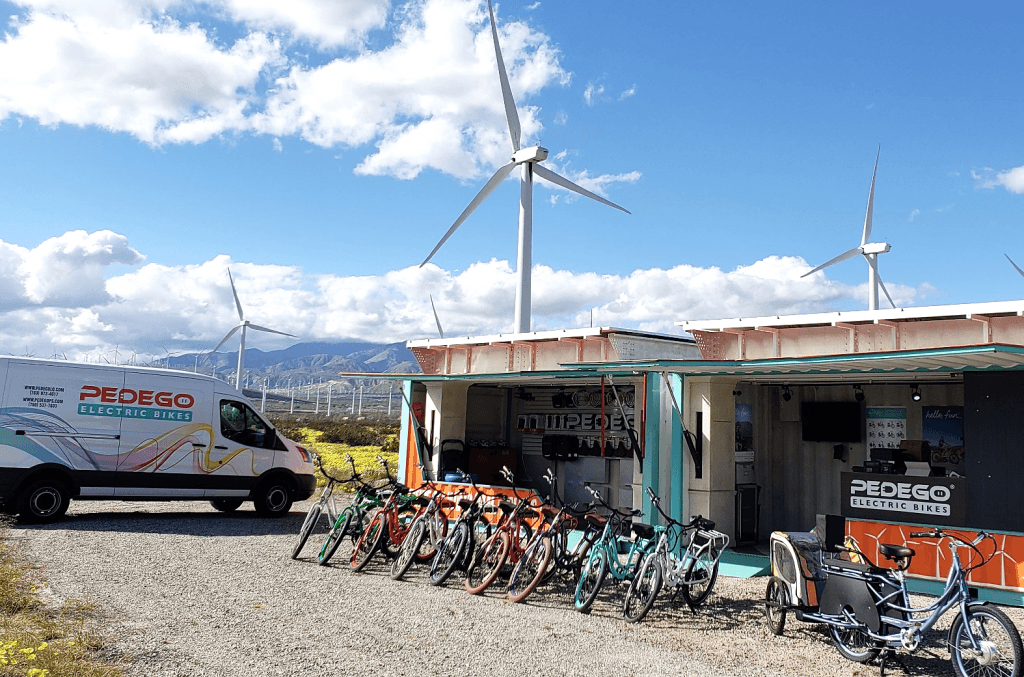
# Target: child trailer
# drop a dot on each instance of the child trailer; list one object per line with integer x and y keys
{"x": 91, "y": 431}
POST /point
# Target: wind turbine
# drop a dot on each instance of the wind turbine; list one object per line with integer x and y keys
{"x": 869, "y": 250}
{"x": 529, "y": 160}
{"x": 437, "y": 320}
{"x": 1014, "y": 264}
{"x": 243, "y": 324}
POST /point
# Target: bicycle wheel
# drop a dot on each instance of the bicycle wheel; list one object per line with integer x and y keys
{"x": 590, "y": 581}
{"x": 485, "y": 570}
{"x": 530, "y": 570}
{"x": 369, "y": 542}
{"x": 436, "y": 530}
{"x": 417, "y": 534}
{"x": 1000, "y": 644}
{"x": 449, "y": 554}
{"x": 853, "y": 643}
{"x": 308, "y": 524}
{"x": 776, "y": 599}
{"x": 643, "y": 589}
{"x": 334, "y": 538}
{"x": 700, "y": 578}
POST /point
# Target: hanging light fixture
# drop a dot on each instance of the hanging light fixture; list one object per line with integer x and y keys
{"x": 787, "y": 395}
{"x": 915, "y": 393}
{"x": 858, "y": 393}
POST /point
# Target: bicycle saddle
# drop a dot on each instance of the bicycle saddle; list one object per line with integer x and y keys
{"x": 506, "y": 507}
{"x": 645, "y": 531}
{"x": 596, "y": 520}
{"x": 420, "y": 501}
{"x": 465, "y": 503}
{"x": 897, "y": 553}
{"x": 528, "y": 513}
{"x": 549, "y": 511}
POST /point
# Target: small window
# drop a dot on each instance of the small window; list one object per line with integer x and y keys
{"x": 242, "y": 425}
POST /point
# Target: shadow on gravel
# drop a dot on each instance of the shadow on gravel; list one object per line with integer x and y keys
{"x": 180, "y": 523}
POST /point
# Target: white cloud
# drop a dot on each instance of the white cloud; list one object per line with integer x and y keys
{"x": 154, "y": 307}
{"x": 592, "y": 93}
{"x": 328, "y": 23}
{"x": 628, "y": 93}
{"x": 1010, "y": 179}
{"x": 914, "y": 214}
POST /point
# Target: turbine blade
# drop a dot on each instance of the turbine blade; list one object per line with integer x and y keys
{"x": 436, "y": 318}
{"x": 488, "y": 188}
{"x": 514, "y": 129}
{"x": 871, "y": 203}
{"x": 270, "y": 331}
{"x": 842, "y": 257}
{"x": 874, "y": 267}
{"x": 224, "y": 340}
{"x": 1014, "y": 264}
{"x": 238, "y": 304}
{"x": 546, "y": 173}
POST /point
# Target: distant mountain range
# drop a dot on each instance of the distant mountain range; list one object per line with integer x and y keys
{"x": 305, "y": 363}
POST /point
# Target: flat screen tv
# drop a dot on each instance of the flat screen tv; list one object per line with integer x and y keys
{"x": 831, "y": 421}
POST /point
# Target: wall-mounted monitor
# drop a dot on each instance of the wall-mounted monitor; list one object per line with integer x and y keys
{"x": 831, "y": 421}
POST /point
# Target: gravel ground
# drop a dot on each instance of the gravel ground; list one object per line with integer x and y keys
{"x": 189, "y": 591}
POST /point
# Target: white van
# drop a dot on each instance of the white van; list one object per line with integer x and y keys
{"x": 90, "y": 431}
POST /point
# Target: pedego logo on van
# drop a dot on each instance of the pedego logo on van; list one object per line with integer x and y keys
{"x": 131, "y": 403}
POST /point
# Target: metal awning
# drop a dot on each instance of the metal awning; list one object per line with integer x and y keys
{"x": 511, "y": 378}
{"x": 910, "y": 365}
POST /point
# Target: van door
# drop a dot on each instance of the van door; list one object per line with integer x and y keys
{"x": 243, "y": 447}
{"x": 165, "y": 436}
{"x": 66, "y": 415}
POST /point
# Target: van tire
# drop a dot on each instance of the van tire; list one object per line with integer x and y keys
{"x": 226, "y": 504}
{"x": 273, "y": 497}
{"x": 42, "y": 501}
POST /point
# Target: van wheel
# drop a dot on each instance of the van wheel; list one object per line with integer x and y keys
{"x": 273, "y": 498}
{"x": 226, "y": 504}
{"x": 42, "y": 501}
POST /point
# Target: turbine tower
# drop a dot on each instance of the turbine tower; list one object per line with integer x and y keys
{"x": 869, "y": 250}
{"x": 528, "y": 159}
{"x": 243, "y": 324}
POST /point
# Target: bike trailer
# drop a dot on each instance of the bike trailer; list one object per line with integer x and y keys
{"x": 796, "y": 559}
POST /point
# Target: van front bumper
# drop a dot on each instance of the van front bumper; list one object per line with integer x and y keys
{"x": 307, "y": 485}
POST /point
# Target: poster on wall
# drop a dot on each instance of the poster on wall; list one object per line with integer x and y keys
{"x": 887, "y": 427}
{"x": 744, "y": 427}
{"x": 943, "y": 429}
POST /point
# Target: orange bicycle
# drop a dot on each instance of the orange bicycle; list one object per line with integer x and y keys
{"x": 388, "y": 527}
{"x": 506, "y": 544}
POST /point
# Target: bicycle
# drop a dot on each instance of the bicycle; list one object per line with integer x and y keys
{"x": 868, "y": 612}
{"x": 458, "y": 548}
{"x": 547, "y": 554}
{"x": 604, "y": 554}
{"x": 326, "y": 503}
{"x": 693, "y": 575}
{"x": 506, "y": 543}
{"x": 388, "y": 526}
{"x": 428, "y": 527}
{"x": 351, "y": 521}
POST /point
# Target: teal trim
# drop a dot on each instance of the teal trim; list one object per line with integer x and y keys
{"x": 743, "y": 565}
{"x": 403, "y": 436}
{"x": 923, "y": 586}
{"x": 567, "y": 373}
{"x": 678, "y": 453}
{"x": 652, "y": 444}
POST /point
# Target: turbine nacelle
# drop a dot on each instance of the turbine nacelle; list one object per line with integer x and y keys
{"x": 531, "y": 154}
{"x": 875, "y": 248}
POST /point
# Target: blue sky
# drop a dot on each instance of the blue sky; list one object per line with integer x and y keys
{"x": 321, "y": 149}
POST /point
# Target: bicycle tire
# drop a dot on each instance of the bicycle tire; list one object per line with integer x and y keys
{"x": 484, "y": 570}
{"x": 449, "y": 554}
{"x": 437, "y": 529}
{"x": 700, "y": 577}
{"x": 998, "y": 636}
{"x": 776, "y": 599}
{"x": 369, "y": 542}
{"x": 334, "y": 538}
{"x": 530, "y": 571}
{"x": 852, "y": 643}
{"x": 643, "y": 590}
{"x": 417, "y": 534}
{"x": 591, "y": 579}
{"x": 308, "y": 524}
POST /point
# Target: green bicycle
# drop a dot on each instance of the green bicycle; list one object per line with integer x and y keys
{"x": 351, "y": 521}
{"x": 604, "y": 554}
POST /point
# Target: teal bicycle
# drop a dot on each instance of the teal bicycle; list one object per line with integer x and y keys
{"x": 604, "y": 557}
{"x": 350, "y": 522}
